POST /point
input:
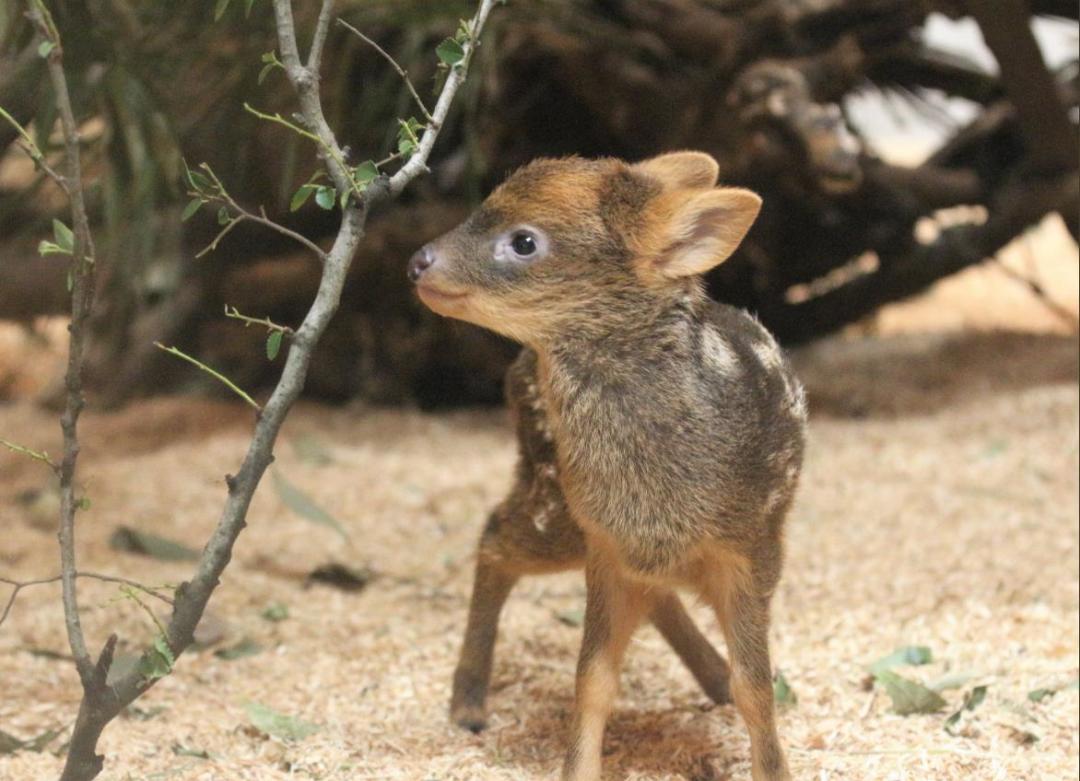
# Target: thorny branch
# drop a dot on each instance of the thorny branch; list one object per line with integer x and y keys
{"x": 102, "y": 702}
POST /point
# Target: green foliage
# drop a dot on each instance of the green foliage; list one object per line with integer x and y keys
{"x": 450, "y": 52}
{"x": 273, "y": 344}
{"x": 279, "y": 725}
{"x": 909, "y": 697}
{"x": 157, "y": 661}
{"x": 270, "y": 62}
{"x": 972, "y": 700}
{"x": 301, "y": 504}
{"x": 913, "y": 655}
{"x": 63, "y": 241}
{"x": 239, "y": 650}
{"x": 275, "y": 612}
{"x": 783, "y": 694}
{"x": 189, "y": 211}
{"x": 408, "y": 140}
{"x": 127, "y": 538}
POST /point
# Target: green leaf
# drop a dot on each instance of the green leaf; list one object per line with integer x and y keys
{"x": 1038, "y": 695}
{"x": 907, "y": 655}
{"x": 239, "y": 650}
{"x": 220, "y": 9}
{"x": 909, "y": 697}
{"x": 450, "y": 52}
{"x": 783, "y": 694}
{"x": 247, "y": 7}
{"x": 193, "y": 206}
{"x": 222, "y": 216}
{"x": 132, "y": 540}
{"x": 198, "y": 181}
{"x": 45, "y": 48}
{"x": 157, "y": 661}
{"x": 366, "y": 172}
{"x": 275, "y": 612}
{"x": 311, "y": 450}
{"x": 574, "y": 617}
{"x": 273, "y": 344}
{"x": 301, "y": 196}
{"x": 183, "y": 751}
{"x": 278, "y": 725}
{"x": 9, "y": 744}
{"x": 299, "y": 502}
{"x": 325, "y": 197}
{"x": 48, "y": 248}
{"x": 83, "y": 503}
{"x": 70, "y": 280}
{"x": 63, "y": 235}
{"x": 264, "y": 72}
{"x": 972, "y": 700}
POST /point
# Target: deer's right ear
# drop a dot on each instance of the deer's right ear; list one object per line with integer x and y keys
{"x": 703, "y": 230}
{"x": 681, "y": 170}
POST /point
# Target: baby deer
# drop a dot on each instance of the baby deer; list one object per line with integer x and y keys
{"x": 661, "y": 433}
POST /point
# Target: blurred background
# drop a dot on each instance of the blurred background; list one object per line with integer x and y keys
{"x": 896, "y": 143}
{"x": 916, "y": 254}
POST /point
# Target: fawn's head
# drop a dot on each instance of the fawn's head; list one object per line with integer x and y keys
{"x": 565, "y": 244}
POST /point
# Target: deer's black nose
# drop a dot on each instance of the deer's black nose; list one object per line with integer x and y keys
{"x": 420, "y": 262}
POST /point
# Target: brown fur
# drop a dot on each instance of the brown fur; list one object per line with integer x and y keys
{"x": 661, "y": 434}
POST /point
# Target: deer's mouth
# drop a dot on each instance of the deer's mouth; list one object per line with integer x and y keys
{"x": 435, "y": 296}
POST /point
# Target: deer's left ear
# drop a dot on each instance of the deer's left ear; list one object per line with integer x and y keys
{"x": 704, "y": 230}
{"x": 681, "y": 170}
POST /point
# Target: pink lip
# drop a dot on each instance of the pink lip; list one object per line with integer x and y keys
{"x": 429, "y": 293}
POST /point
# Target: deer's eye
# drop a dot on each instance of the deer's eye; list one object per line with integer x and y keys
{"x": 523, "y": 243}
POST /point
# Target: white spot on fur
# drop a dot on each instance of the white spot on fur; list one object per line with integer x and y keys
{"x": 769, "y": 354}
{"x": 718, "y": 352}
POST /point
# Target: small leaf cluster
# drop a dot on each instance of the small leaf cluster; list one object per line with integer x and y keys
{"x": 451, "y": 51}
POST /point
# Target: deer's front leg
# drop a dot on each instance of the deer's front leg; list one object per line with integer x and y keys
{"x": 614, "y": 608}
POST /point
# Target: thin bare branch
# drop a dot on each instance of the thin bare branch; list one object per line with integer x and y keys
{"x": 215, "y": 374}
{"x": 401, "y": 71}
{"x": 222, "y": 196}
{"x": 265, "y": 322}
{"x": 318, "y": 40}
{"x": 82, "y": 296}
{"x": 417, "y": 164}
{"x": 19, "y": 585}
{"x": 101, "y": 703}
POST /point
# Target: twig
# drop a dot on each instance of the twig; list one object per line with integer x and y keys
{"x": 37, "y": 455}
{"x": 266, "y": 322}
{"x": 222, "y": 196}
{"x": 401, "y": 71}
{"x": 19, "y": 585}
{"x": 82, "y": 296}
{"x": 215, "y": 374}
{"x": 217, "y": 239}
{"x": 417, "y": 164}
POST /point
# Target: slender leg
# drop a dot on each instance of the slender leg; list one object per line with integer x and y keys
{"x": 614, "y": 608}
{"x": 492, "y": 585}
{"x": 744, "y": 615}
{"x": 707, "y": 666}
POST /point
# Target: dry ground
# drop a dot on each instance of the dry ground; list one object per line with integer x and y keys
{"x": 939, "y": 506}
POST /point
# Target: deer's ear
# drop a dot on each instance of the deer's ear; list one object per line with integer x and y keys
{"x": 704, "y": 230}
{"x": 681, "y": 170}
